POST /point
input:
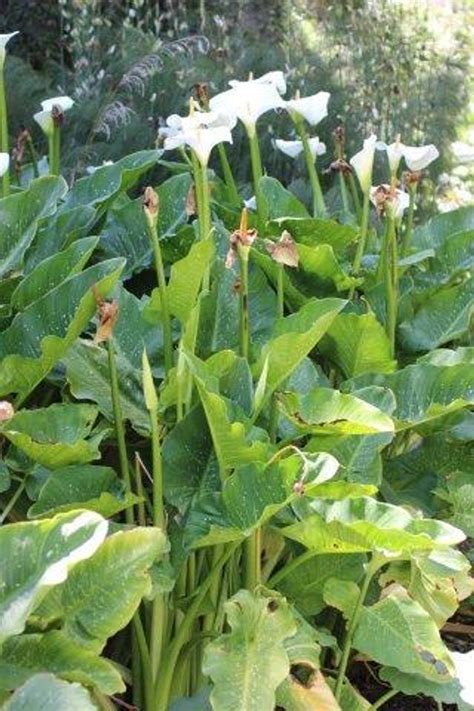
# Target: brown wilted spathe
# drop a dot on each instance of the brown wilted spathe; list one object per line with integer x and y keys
{"x": 241, "y": 238}
{"x": 151, "y": 204}
{"x": 284, "y": 251}
{"x": 108, "y": 314}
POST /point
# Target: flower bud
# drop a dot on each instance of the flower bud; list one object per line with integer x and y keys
{"x": 6, "y": 410}
{"x": 151, "y": 206}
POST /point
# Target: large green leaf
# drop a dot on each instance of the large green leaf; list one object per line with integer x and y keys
{"x": 319, "y": 271}
{"x": 235, "y": 441}
{"x": 19, "y": 216}
{"x": 323, "y": 410}
{"x": 414, "y": 685}
{"x": 358, "y": 344}
{"x": 441, "y": 227}
{"x": 46, "y": 692}
{"x": 55, "y": 436}
{"x": 359, "y": 455}
{"x": 312, "y": 231}
{"x": 82, "y": 486}
{"x": 52, "y": 272}
{"x": 294, "y": 337}
{"x": 363, "y": 524}
{"x": 398, "y": 632}
{"x": 88, "y": 375}
{"x": 24, "y": 656}
{"x": 305, "y": 586}
{"x": 423, "y": 391}
{"x": 247, "y": 664}
{"x": 442, "y": 318}
{"x": 40, "y": 335}
{"x": 186, "y": 277}
{"x": 57, "y": 232}
{"x": 278, "y": 201}
{"x": 103, "y": 186}
{"x": 38, "y": 555}
{"x": 100, "y": 597}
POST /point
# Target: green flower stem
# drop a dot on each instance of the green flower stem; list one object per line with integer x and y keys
{"x": 165, "y": 677}
{"x": 372, "y": 568}
{"x": 145, "y": 660}
{"x": 141, "y": 513}
{"x": 280, "y": 291}
{"x": 344, "y": 195}
{"x": 11, "y": 504}
{"x": 319, "y": 208}
{"x": 391, "y": 283}
{"x": 4, "y": 148}
{"x": 383, "y": 699}
{"x": 355, "y": 197}
{"x": 410, "y": 219}
{"x": 244, "y": 302}
{"x": 119, "y": 426}
{"x": 54, "y": 141}
{"x": 232, "y": 191}
{"x": 165, "y": 314}
{"x": 252, "y": 560}
{"x": 364, "y": 228}
{"x": 257, "y": 175}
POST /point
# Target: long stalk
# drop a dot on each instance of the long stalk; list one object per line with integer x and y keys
{"x": 11, "y": 504}
{"x": 252, "y": 559}
{"x": 391, "y": 283}
{"x": 355, "y": 197}
{"x": 319, "y": 208}
{"x": 354, "y": 621}
{"x": 383, "y": 699}
{"x": 119, "y": 426}
{"x": 244, "y": 302}
{"x": 410, "y": 219}
{"x": 257, "y": 175}
{"x": 364, "y": 227}
{"x": 343, "y": 188}
{"x": 165, "y": 314}
{"x": 55, "y": 150}
{"x": 229, "y": 180}
{"x": 4, "y": 131}
{"x": 165, "y": 677}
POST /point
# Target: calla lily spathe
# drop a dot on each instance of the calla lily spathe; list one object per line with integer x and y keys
{"x": 201, "y": 131}
{"x": 295, "y": 148}
{"x": 4, "y": 39}
{"x": 44, "y": 118}
{"x": 249, "y": 100}
{"x": 394, "y": 154}
{"x": 312, "y": 108}
{"x": 419, "y": 157}
{"x": 363, "y": 163}
{"x": 416, "y": 157}
{"x": 275, "y": 79}
{"x": 464, "y": 665}
{"x": 4, "y": 163}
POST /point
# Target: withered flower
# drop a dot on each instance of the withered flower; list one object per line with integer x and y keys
{"x": 240, "y": 241}
{"x": 191, "y": 202}
{"x": 389, "y": 200}
{"x": 6, "y": 410}
{"x": 151, "y": 205}
{"x": 339, "y": 166}
{"x": 411, "y": 177}
{"x": 108, "y": 314}
{"x": 284, "y": 251}
{"x": 202, "y": 94}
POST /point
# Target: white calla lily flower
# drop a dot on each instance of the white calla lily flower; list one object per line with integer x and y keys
{"x": 64, "y": 102}
{"x": 44, "y": 118}
{"x": 312, "y": 108}
{"x": 275, "y": 79}
{"x": 4, "y": 40}
{"x": 419, "y": 157}
{"x": 4, "y": 163}
{"x": 394, "y": 153}
{"x": 363, "y": 163}
{"x": 295, "y": 148}
{"x": 247, "y": 101}
{"x": 463, "y": 152}
{"x": 201, "y": 131}
{"x": 464, "y": 664}
{"x": 251, "y": 203}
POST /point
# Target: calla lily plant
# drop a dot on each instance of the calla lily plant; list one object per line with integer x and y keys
{"x": 50, "y": 120}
